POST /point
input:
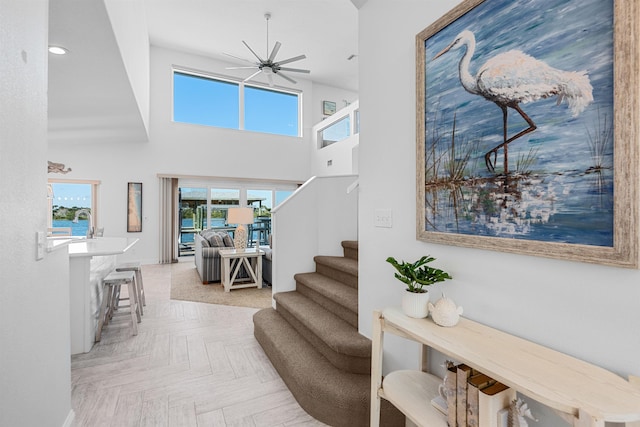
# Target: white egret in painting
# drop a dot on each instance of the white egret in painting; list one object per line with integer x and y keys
{"x": 511, "y": 78}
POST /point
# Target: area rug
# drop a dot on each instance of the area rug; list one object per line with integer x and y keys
{"x": 187, "y": 286}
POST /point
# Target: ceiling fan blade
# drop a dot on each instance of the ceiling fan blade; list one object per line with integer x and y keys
{"x": 254, "y": 54}
{"x": 252, "y": 76}
{"x": 287, "y": 78}
{"x": 242, "y": 68}
{"x": 295, "y": 70}
{"x": 241, "y": 59}
{"x": 295, "y": 58}
{"x": 274, "y": 52}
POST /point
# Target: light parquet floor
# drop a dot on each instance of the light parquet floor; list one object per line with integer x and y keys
{"x": 191, "y": 364}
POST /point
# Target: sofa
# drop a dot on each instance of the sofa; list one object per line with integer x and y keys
{"x": 267, "y": 259}
{"x": 207, "y": 259}
{"x": 207, "y": 244}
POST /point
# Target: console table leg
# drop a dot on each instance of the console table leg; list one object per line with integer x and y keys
{"x": 635, "y": 381}
{"x": 586, "y": 420}
{"x": 376, "y": 368}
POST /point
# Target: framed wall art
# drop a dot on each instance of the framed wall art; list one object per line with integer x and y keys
{"x": 134, "y": 207}
{"x": 527, "y": 129}
{"x": 328, "y": 108}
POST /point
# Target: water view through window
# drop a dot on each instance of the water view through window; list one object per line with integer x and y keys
{"x": 66, "y": 200}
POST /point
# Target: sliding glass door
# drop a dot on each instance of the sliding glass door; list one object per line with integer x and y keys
{"x": 205, "y": 205}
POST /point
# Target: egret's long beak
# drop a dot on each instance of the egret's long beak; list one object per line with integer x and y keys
{"x": 442, "y": 52}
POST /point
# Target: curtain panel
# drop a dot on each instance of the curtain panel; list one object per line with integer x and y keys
{"x": 168, "y": 220}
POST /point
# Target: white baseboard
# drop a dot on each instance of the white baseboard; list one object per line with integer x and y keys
{"x": 70, "y": 417}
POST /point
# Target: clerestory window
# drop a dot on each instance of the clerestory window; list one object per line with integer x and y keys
{"x": 213, "y": 101}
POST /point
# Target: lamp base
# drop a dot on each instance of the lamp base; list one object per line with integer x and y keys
{"x": 240, "y": 237}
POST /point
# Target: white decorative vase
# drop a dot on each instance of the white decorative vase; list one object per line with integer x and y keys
{"x": 415, "y": 304}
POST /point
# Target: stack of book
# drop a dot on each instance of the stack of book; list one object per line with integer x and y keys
{"x": 472, "y": 399}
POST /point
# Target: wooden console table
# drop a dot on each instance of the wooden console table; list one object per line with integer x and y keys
{"x": 582, "y": 393}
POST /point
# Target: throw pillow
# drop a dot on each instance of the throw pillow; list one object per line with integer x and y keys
{"x": 228, "y": 241}
{"x": 216, "y": 240}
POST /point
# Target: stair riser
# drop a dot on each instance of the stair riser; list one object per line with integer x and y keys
{"x": 351, "y": 253}
{"x": 340, "y": 276}
{"x": 350, "y": 249}
{"x": 342, "y": 312}
{"x": 352, "y": 364}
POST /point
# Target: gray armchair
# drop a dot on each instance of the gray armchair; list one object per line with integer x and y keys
{"x": 207, "y": 258}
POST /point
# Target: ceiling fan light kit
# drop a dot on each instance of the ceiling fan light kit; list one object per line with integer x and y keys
{"x": 270, "y": 66}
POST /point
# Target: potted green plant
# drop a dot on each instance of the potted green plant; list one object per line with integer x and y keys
{"x": 416, "y": 275}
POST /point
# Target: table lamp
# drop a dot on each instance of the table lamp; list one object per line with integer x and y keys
{"x": 240, "y": 216}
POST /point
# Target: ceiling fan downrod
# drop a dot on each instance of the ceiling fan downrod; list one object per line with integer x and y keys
{"x": 267, "y": 16}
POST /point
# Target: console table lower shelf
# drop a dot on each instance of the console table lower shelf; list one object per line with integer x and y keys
{"x": 410, "y": 392}
{"x": 581, "y": 393}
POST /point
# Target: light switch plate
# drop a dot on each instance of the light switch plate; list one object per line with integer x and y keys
{"x": 383, "y": 218}
{"x": 41, "y": 243}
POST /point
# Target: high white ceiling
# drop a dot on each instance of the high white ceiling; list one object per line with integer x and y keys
{"x": 326, "y": 31}
{"x": 90, "y": 97}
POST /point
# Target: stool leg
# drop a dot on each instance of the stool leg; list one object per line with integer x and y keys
{"x": 139, "y": 279}
{"x": 103, "y": 314}
{"x": 138, "y": 296}
{"x": 108, "y": 296}
{"x": 134, "y": 299}
{"x": 133, "y": 306}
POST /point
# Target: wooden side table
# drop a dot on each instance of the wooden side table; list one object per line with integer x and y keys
{"x": 232, "y": 259}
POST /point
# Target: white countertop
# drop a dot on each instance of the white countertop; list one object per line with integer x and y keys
{"x": 58, "y": 242}
{"x": 101, "y": 246}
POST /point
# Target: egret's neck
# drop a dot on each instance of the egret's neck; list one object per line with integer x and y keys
{"x": 467, "y": 80}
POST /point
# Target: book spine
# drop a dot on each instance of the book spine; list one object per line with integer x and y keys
{"x": 462, "y": 377}
{"x": 491, "y": 401}
{"x": 475, "y": 384}
{"x": 450, "y": 393}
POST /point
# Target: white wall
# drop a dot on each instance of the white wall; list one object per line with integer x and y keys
{"x": 35, "y": 372}
{"x": 129, "y": 24}
{"x": 588, "y": 311}
{"x": 327, "y": 93}
{"x": 339, "y": 158}
{"x": 182, "y": 150}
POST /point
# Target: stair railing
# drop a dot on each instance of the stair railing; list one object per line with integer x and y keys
{"x": 314, "y": 220}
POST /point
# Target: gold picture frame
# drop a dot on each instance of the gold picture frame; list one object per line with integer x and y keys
{"x": 444, "y": 184}
{"x": 134, "y": 207}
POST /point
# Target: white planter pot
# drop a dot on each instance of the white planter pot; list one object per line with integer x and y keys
{"x": 415, "y": 304}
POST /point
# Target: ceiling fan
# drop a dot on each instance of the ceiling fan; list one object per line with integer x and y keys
{"x": 269, "y": 66}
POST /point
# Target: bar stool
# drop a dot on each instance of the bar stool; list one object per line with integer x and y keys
{"x": 137, "y": 268}
{"x": 111, "y": 299}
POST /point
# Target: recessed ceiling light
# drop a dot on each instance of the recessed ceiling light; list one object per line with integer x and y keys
{"x": 58, "y": 50}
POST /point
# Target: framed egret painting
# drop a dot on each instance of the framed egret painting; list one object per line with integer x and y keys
{"x": 527, "y": 129}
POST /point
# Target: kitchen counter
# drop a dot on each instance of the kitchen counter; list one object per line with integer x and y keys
{"x": 100, "y": 246}
{"x": 90, "y": 260}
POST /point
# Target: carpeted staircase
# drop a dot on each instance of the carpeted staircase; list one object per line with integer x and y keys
{"x": 312, "y": 340}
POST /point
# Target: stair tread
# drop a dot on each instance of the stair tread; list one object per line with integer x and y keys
{"x": 339, "y": 335}
{"x": 347, "y": 265}
{"x": 327, "y": 393}
{"x": 336, "y": 291}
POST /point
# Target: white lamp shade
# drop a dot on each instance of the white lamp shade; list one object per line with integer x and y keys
{"x": 240, "y": 216}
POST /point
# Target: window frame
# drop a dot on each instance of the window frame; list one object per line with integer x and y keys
{"x": 241, "y": 95}
{"x": 95, "y": 190}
